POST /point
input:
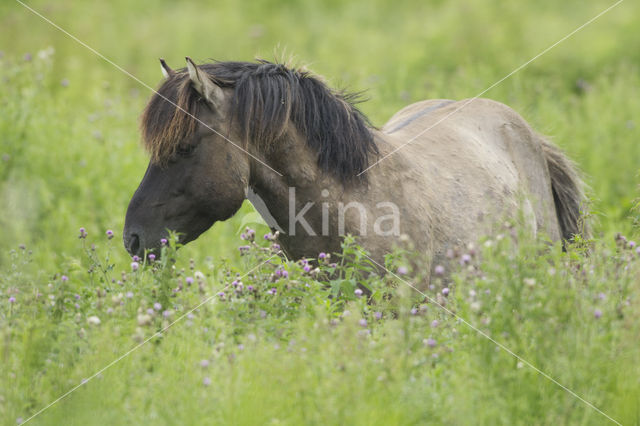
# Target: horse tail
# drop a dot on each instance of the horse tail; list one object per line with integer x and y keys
{"x": 568, "y": 192}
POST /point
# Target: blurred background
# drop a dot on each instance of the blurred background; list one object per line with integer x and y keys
{"x": 69, "y": 144}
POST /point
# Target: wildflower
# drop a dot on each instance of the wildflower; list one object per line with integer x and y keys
{"x": 275, "y": 247}
{"x": 27, "y": 57}
{"x": 221, "y": 295}
{"x": 93, "y": 320}
{"x": 268, "y": 236}
{"x": 204, "y": 363}
{"x": 144, "y": 319}
{"x": 377, "y": 315}
{"x": 281, "y": 272}
{"x": 445, "y": 291}
{"x": 136, "y": 258}
{"x": 151, "y": 257}
{"x": 244, "y": 249}
{"x": 465, "y": 259}
{"x": 632, "y": 244}
{"x": 235, "y": 283}
{"x": 602, "y": 296}
{"x": 430, "y": 342}
{"x": 150, "y": 311}
{"x": 109, "y": 310}
{"x": 435, "y": 323}
{"x": 157, "y": 306}
{"x": 439, "y": 270}
{"x": 402, "y": 270}
{"x": 272, "y": 291}
{"x": 12, "y": 299}
{"x": 597, "y": 313}
{"x": 129, "y": 294}
{"x": 77, "y": 296}
{"x": 414, "y": 311}
{"x": 189, "y": 280}
{"x": 362, "y": 322}
{"x": 109, "y": 234}
{"x": 83, "y": 233}
{"x": 64, "y": 82}
{"x": 167, "y": 313}
{"x": 163, "y": 241}
{"x": 322, "y": 255}
{"x": 250, "y": 287}
{"x": 64, "y": 278}
{"x": 206, "y": 381}
{"x": 307, "y": 268}
{"x": 134, "y": 266}
{"x": 358, "y": 292}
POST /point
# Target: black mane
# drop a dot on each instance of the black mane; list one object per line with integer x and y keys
{"x": 267, "y": 97}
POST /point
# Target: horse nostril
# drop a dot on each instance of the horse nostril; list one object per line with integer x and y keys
{"x": 134, "y": 244}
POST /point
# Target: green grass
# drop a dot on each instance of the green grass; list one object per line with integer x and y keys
{"x": 70, "y": 158}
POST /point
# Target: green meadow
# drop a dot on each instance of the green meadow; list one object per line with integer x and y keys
{"x": 522, "y": 333}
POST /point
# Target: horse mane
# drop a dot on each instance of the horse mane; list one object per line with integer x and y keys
{"x": 267, "y": 97}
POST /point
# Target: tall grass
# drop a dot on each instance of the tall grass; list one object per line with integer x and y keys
{"x": 307, "y": 352}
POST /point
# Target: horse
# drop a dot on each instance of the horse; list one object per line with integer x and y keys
{"x": 440, "y": 173}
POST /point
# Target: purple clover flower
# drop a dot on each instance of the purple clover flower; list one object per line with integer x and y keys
{"x": 157, "y": 306}
{"x": 322, "y": 255}
{"x": 377, "y": 315}
{"x": 465, "y": 259}
{"x": 362, "y": 322}
{"x": 430, "y": 342}
{"x": 83, "y": 233}
{"x": 414, "y": 311}
{"x": 439, "y": 270}
{"x": 632, "y": 244}
{"x": 307, "y": 268}
{"x": 250, "y": 287}
{"x": 358, "y": 292}
{"x": 150, "y": 311}
{"x": 163, "y": 241}
{"x": 136, "y": 258}
{"x": 402, "y": 270}
{"x": 152, "y": 257}
{"x": 445, "y": 291}
{"x": 134, "y": 266}
{"x": 12, "y": 299}
{"x": 435, "y": 323}
{"x": 64, "y": 278}
{"x": 109, "y": 234}
{"x": 189, "y": 280}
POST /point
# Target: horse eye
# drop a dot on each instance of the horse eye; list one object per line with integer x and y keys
{"x": 185, "y": 150}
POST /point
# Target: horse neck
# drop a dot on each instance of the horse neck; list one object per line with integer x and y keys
{"x": 303, "y": 182}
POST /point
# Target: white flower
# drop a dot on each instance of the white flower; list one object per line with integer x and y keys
{"x": 93, "y": 320}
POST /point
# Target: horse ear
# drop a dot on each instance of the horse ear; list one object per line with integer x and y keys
{"x": 166, "y": 69}
{"x": 203, "y": 84}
